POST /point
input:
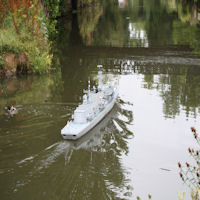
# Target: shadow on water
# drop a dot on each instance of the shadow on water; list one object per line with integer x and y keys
{"x": 91, "y": 164}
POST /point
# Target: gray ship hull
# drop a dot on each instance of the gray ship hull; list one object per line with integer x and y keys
{"x": 74, "y": 131}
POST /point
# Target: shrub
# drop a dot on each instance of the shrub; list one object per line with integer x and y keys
{"x": 24, "y": 29}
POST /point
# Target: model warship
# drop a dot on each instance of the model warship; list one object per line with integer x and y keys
{"x": 97, "y": 103}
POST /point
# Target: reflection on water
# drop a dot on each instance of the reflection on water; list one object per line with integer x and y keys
{"x": 160, "y": 78}
{"x": 178, "y": 84}
{"x": 30, "y": 90}
{"x": 34, "y": 157}
{"x": 138, "y": 34}
{"x": 139, "y": 23}
{"x": 91, "y": 164}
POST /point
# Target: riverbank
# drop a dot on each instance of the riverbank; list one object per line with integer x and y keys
{"x": 27, "y": 32}
{"x": 24, "y": 38}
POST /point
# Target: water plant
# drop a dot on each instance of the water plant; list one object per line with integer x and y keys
{"x": 190, "y": 173}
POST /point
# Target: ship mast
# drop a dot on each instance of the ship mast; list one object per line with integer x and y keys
{"x": 100, "y": 83}
{"x": 88, "y": 84}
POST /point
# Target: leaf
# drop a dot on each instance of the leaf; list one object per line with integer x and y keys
{"x": 198, "y": 190}
{"x": 181, "y": 195}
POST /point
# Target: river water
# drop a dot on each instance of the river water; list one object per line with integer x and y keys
{"x": 151, "y": 47}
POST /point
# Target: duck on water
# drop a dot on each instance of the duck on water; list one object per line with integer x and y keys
{"x": 11, "y": 110}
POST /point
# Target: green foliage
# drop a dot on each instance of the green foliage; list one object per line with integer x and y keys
{"x": 25, "y": 30}
{"x": 2, "y": 61}
{"x": 9, "y": 41}
{"x": 52, "y": 10}
{"x": 41, "y": 60}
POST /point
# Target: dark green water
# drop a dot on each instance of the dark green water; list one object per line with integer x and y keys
{"x": 152, "y": 47}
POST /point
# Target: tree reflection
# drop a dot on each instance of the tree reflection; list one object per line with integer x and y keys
{"x": 177, "y": 84}
{"x": 87, "y": 21}
{"x": 140, "y": 23}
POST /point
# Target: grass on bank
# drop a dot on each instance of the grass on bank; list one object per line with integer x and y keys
{"x": 29, "y": 38}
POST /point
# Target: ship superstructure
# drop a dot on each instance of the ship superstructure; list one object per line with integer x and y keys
{"x": 97, "y": 102}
